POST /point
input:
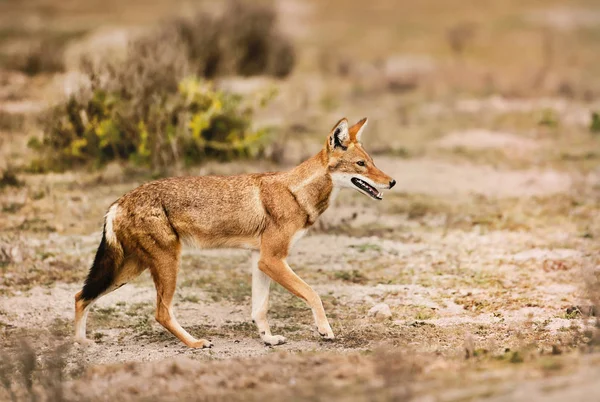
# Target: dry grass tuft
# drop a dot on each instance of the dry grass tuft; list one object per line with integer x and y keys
{"x": 244, "y": 40}
{"x": 28, "y": 374}
{"x": 45, "y": 56}
{"x": 11, "y": 122}
{"x": 398, "y": 370}
{"x": 9, "y": 179}
{"x": 589, "y": 336}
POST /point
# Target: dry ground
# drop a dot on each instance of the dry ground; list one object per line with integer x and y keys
{"x": 481, "y": 251}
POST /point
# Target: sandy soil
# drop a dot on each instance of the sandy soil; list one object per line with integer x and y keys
{"x": 449, "y": 290}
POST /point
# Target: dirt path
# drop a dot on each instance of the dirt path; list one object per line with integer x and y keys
{"x": 470, "y": 259}
{"x": 437, "y": 280}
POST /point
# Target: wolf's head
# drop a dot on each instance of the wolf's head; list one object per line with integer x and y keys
{"x": 350, "y": 165}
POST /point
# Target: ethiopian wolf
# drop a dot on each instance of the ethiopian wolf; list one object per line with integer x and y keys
{"x": 267, "y": 212}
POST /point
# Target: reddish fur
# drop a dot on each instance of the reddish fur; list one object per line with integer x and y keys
{"x": 262, "y": 212}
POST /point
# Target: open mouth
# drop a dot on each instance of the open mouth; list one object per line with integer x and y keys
{"x": 367, "y": 188}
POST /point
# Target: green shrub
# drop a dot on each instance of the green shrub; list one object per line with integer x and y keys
{"x": 181, "y": 128}
{"x": 151, "y": 107}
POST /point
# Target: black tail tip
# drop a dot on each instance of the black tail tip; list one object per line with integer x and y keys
{"x": 101, "y": 273}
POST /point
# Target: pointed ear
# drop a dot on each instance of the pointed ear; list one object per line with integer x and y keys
{"x": 357, "y": 130}
{"x": 339, "y": 136}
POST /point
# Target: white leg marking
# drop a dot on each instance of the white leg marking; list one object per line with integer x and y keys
{"x": 80, "y": 327}
{"x": 261, "y": 284}
{"x": 324, "y": 329}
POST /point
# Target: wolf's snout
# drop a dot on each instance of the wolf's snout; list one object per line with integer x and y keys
{"x": 392, "y": 183}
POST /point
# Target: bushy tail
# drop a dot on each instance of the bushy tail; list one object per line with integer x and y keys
{"x": 109, "y": 258}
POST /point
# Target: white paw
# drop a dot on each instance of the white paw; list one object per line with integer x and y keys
{"x": 326, "y": 332}
{"x": 273, "y": 340}
{"x": 201, "y": 344}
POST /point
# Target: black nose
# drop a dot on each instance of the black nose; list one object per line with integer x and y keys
{"x": 392, "y": 183}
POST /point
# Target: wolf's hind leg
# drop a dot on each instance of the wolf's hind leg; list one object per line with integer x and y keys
{"x": 261, "y": 284}
{"x": 125, "y": 272}
{"x": 82, "y": 308}
{"x": 164, "y": 272}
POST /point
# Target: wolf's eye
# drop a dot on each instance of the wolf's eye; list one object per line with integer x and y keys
{"x": 360, "y": 163}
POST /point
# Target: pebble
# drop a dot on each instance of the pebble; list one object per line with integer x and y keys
{"x": 380, "y": 311}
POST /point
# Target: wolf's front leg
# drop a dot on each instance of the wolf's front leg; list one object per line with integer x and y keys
{"x": 261, "y": 284}
{"x": 280, "y": 271}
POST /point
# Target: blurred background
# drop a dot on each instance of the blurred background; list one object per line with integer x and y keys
{"x": 418, "y": 70}
{"x": 475, "y": 278}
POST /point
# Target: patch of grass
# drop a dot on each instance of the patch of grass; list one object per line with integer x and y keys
{"x": 236, "y": 287}
{"x": 470, "y": 303}
{"x": 417, "y": 207}
{"x": 245, "y": 329}
{"x": 425, "y": 314}
{"x": 354, "y": 276}
{"x": 9, "y": 179}
{"x": 549, "y": 118}
{"x": 287, "y": 328}
{"x": 190, "y": 298}
{"x": 35, "y": 224}
{"x": 511, "y": 356}
{"x": 551, "y": 364}
{"x": 21, "y": 277}
{"x": 362, "y": 335}
{"x": 38, "y": 195}
{"x": 11, "y": 121}
{"x": 141, "y": 309}
{"x": 43, "y": 255}
{"x": 143, "y": 326}
{"x": 361, "y": 248}
{"x": 284, "y": 305}
{"x": 106, "y": 310}
{"x": 61, "y": 327}
{"x": 572, "y": 314}
{"x": 595, "y": 123}
{"x": 12, "y": 207}
{"x": 579, "y": 156}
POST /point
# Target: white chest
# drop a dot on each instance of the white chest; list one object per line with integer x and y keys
{"x": 333, "y": 195}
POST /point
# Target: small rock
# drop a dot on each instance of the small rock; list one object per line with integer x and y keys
{"x": 380, "y": 311}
